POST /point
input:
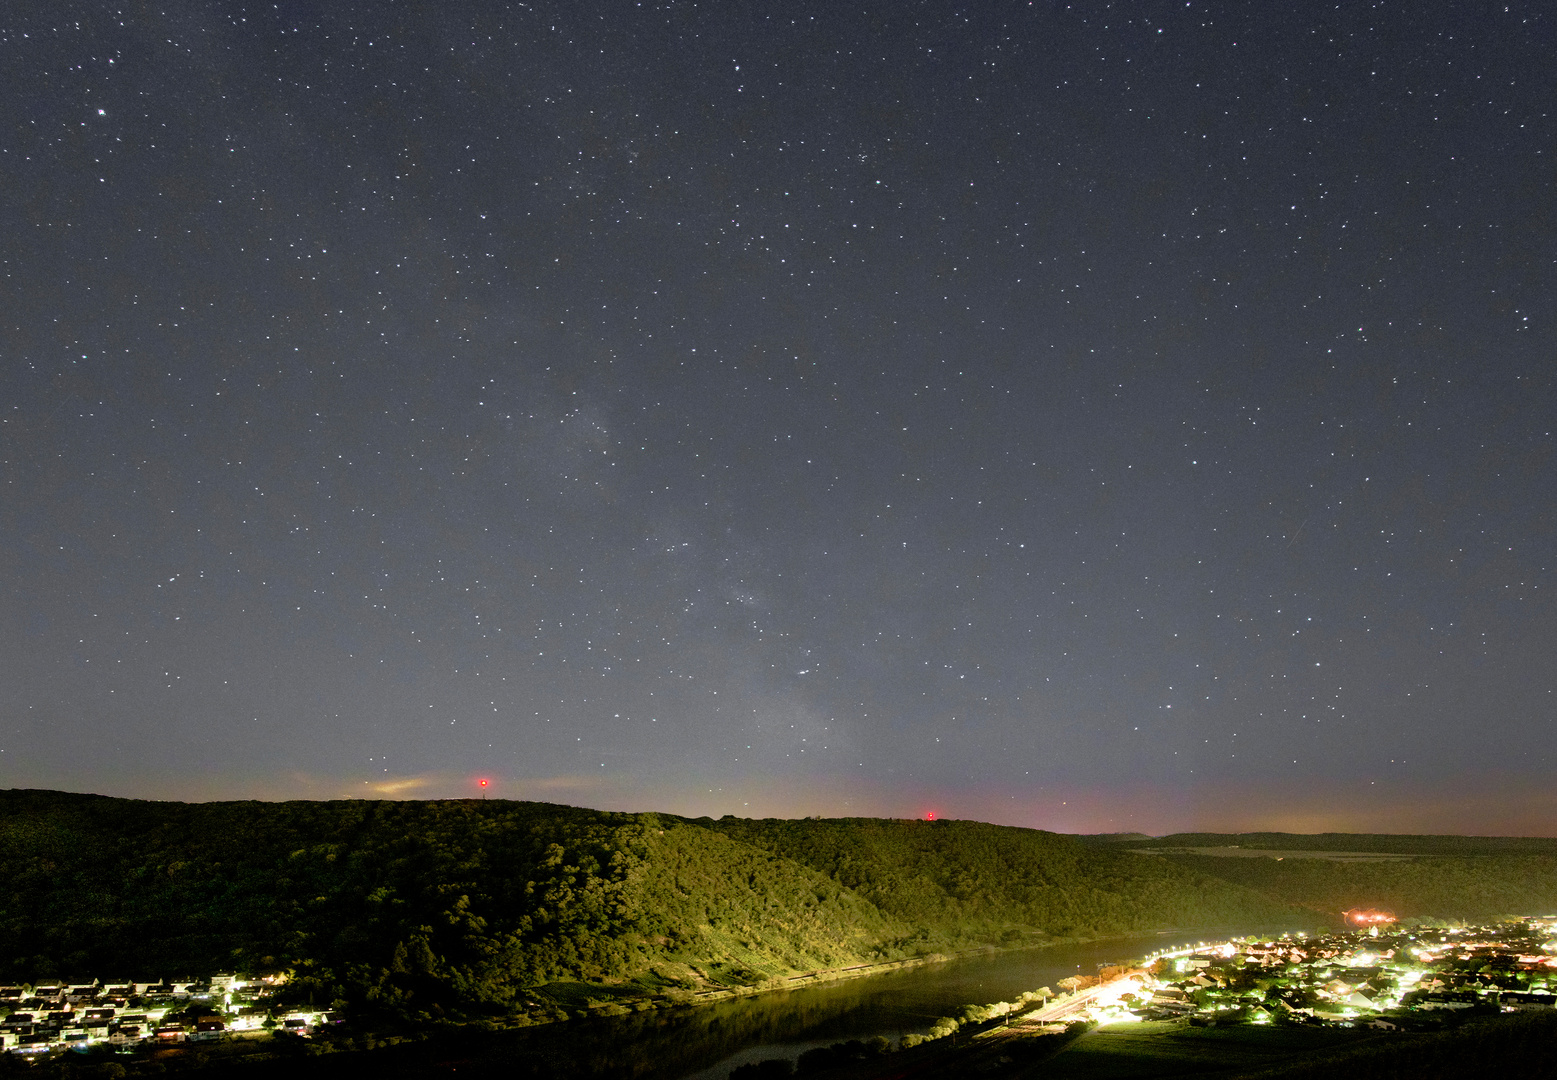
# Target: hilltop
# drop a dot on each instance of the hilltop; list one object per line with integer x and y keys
{"x": 460, "y": 910}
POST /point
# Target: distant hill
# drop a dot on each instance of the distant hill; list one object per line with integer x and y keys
{"x": 463, "y": 909}
{"x": 1383, "y": 843}
{"x": 1447, "y": 877}
{"x": 1115, "y": 838}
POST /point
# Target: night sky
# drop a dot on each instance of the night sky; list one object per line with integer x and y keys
{"x": 1083, "y": 416}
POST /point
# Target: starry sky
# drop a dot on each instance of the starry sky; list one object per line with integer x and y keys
{"x": 1084, "y": 416}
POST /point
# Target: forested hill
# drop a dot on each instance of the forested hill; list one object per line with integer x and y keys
{"x": 418, "y": 910}
{"x": 1475, "y": 878}
{"x": 424, "y": 909}
{"x": 994, "y": 882}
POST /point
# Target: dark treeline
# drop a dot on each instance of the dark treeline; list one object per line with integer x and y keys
{"x": 461, "y": 910}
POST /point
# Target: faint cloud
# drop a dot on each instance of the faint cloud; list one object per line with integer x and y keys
{"x": 399, "y": 786}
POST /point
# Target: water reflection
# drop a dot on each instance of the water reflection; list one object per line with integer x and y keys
{"x": 706, "y": 1042}
{"x": 896, "y": 1003}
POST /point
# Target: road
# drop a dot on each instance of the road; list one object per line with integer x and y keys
{"x": 1002, "y": 1052}
{"x": 1050, "y": 1014}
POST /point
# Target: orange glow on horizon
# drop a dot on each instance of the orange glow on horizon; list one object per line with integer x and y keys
{"x": 1368, "y": 917}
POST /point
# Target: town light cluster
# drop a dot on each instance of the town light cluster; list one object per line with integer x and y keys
{"x": 136, "y": 1016}
{"x": 1386, "y": 976}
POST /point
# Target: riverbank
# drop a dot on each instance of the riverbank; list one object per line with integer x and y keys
{"x": 1232, "y": 1007}
{"x": 585, "y": 1000}
{"x": 618, "y": 999}
{"x": 823, "y": 976}
{"x": 665, "y": 1039}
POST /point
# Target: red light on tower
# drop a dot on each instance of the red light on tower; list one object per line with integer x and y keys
{"x": 483, "y": 784}
{"x": 929, "y": 815}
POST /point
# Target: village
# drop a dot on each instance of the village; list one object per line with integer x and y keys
{"x": 1387, "y": 976}
{"x": 1381, "y": 980}
{"x": 134, "y": 1015}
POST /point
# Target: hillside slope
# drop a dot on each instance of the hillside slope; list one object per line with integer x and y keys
{"x": 462, "y": 908}
{"x": 971, "y": 881}
{"x": 403, "y": 905}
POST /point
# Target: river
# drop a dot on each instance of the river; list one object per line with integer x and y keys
{"x": 705, "y": 1042}
{"x": 893, "y": 1004}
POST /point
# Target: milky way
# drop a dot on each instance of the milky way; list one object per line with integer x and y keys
{"x": 1081, "y": 417}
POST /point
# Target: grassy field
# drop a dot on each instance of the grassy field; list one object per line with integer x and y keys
{"x": 1138, "y": 1051}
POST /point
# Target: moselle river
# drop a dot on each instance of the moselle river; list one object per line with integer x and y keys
{"x": 705, "y": 1042}
{"x": 896, "y": 1003}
